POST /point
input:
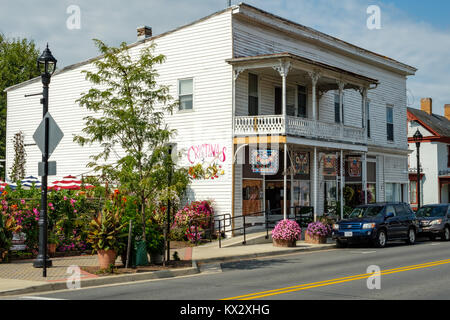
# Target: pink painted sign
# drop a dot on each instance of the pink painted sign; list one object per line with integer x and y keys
{"x": 201, "y": 152}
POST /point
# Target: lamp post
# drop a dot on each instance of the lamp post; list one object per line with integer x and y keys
{"x": 46, "y": 64}
{"x": 418, "y": 138}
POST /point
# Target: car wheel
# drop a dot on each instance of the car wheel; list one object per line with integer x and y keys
{"x": 341, "y": 244}
{"x": 446, "y": 234}
{"x": 411, "y": 236}
{"x": 381, "y": 239}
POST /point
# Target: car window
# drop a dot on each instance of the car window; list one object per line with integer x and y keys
{"x": 400, "y": 210}
{"x": 364, "y": 212}
{"x": 427, "y": 212}
{"x": 390, "y": 209}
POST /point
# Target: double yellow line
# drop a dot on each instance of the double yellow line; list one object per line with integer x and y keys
{"x": 301, "y": 287}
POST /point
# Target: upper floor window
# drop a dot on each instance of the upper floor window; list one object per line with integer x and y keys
{"x": 302, "y": 102}
{"x": 337, "y": 108}
{"x": 186, "y": 94}
{"x": 390, "y": 123}
{"x": 253, "y": 94}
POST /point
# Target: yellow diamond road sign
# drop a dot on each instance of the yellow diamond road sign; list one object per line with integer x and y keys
{"x": 54, "y": 135}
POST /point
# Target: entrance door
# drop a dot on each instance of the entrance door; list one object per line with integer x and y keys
{"x": 275, "y": 195}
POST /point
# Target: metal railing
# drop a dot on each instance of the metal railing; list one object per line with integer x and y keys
{"x": 224, "y": 223}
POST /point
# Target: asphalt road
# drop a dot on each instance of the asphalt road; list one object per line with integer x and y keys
{"x": 421, "y": 271}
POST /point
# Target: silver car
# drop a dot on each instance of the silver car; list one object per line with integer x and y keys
{"x": 434, "y": 221}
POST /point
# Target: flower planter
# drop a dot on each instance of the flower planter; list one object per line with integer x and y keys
{"x": 51, "y": 248}
{"x": 3, "y": 256}
{"x": 284, "y": 243}
{"x": 106, "y": 258}
{"x": 315, "y": 239}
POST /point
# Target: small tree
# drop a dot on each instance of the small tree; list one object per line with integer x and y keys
{"x": 18, "y": 167}
{"x": 131, "y": 107}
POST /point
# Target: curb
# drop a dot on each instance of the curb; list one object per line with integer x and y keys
{"x": 262, "y": 254}
{"x": 55, "y": 286}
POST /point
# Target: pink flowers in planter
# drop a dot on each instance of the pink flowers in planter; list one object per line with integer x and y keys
{"x": 287, "y": 230}
{"x": 318, "y": 229}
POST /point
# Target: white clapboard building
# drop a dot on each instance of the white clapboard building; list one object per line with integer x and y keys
{"x": 287, "y": 112}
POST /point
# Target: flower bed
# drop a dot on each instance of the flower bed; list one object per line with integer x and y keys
{"x": 192, "y": 220}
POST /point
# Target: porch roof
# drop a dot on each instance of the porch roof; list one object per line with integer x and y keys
{"x": 303, "y": 63}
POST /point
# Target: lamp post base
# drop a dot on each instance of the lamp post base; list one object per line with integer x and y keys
{"x": 39, "y": 262}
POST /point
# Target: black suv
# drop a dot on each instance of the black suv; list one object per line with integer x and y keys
{"x": 434, "y": 221}
{"x": 377, "y": 223}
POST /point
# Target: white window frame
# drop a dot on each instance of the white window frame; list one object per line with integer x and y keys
{"x": 193, "y": 95}
{"x": 391, "y": 106}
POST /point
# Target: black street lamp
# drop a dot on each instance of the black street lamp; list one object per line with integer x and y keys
{"x": 418, "y": 138}
{"x": 46, "y": 64}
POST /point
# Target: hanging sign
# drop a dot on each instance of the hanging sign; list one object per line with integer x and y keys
{"x": 330, "y": 165}
{"x": 354, "y": 167}
{"x": 265, "y": 161}
{"x": 301, "y": 162}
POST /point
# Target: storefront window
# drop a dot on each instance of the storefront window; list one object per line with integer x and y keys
{"x": 301, "y": 193}
{"x": 413, "y": 192}
{"x": 393, "y": 192}
{"x": 371, "y": 193}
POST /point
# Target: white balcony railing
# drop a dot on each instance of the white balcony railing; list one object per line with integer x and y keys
{"x": 250, "y": 125}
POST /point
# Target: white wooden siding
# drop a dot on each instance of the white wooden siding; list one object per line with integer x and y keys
{"x": 197, "y": 51}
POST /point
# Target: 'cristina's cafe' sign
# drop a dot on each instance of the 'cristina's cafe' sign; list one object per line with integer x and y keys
{"x": 206, "y": 160}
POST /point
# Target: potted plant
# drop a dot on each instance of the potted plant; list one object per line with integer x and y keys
{"x": 52, "y": 243}
{"x": 286, "y": 233}
{"x": 104, "y": 235}
{"x": 317, "y": 232}
{"x": 155, "y": 242}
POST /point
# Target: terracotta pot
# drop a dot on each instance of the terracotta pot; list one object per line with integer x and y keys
{"x": 106, "y": 258}
{"x": 3, "y": 255}
{"x": 315, "y": 239}
{"x": 51, "y": 248}
{"x": 284, "y": 243}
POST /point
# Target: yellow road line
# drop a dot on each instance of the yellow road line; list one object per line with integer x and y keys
{"x": 262, "y": 294}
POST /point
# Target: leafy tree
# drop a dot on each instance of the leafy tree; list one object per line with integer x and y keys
{"x": 130, "y": 107}
{"x": 17, "y": 64}
{"x": 18, "y": 167}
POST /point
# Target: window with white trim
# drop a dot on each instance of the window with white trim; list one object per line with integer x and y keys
{"x": 186, "y": 94}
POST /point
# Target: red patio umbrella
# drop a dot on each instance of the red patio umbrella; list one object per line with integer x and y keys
{"x": 69, "y": 183}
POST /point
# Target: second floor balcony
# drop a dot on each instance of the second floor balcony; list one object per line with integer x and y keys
{"x": 311, "y": 100}
{"x": 300, "y": 127}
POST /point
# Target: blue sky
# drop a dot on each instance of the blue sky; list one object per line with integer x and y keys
{"x": 413, "y": 32}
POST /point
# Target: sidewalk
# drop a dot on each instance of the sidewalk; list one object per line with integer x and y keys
{"x": 20, "y": 277}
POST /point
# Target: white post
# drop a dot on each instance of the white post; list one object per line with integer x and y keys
{"x": 315, "y": 184}
{"x": 314, "y": 79}
{"x": 364, "y": 177}
{"x": 342, "y": 184}
{"x": 285, "y": 184}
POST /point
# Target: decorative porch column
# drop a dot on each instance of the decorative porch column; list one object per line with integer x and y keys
{"x": 315, "y": 76}
{"x": 363, "y": 91}
{"x": 364, "y": 176}
{"x": 283, "y": 69}
{"x": 315, "y": 168}
{"x": 285, "y": 184}
{"x": 341, "y": 86}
